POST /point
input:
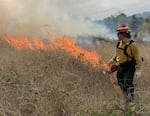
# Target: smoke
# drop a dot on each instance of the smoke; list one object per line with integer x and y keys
{"x": 45, "y": 17}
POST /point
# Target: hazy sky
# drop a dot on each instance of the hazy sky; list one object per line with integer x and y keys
{"x": 80, "y": 8}
{"x": 63, "y": 16}
{"x": 103, "y": 8}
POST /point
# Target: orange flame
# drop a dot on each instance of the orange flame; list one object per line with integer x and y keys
{"x": 56, "y": 42}
{"x": 67, "y": 44}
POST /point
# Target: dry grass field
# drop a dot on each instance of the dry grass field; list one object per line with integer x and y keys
{"x": 54, "y": 83}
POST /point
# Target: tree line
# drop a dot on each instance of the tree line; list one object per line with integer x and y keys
{"x": 139, "y": 26}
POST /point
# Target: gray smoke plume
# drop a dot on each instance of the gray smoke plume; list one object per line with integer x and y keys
{"x": 44, "y": 17}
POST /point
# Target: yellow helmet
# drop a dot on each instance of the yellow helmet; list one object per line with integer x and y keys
{"x": 123, "y": 28}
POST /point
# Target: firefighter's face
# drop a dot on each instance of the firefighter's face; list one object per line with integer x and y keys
{"x": 121, "y": 37}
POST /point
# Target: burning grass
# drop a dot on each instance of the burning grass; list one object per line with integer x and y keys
{"x": 36, "y": 82}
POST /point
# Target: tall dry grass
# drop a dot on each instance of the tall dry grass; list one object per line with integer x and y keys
{"x": 54, "y": 83}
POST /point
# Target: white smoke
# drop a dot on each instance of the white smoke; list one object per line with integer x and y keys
{"x": 43, "y": 17}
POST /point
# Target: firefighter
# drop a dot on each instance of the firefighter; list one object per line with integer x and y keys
{"x": 128, "y": 61}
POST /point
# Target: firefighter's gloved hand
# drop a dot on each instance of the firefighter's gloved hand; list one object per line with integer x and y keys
{"x": 112, "y": 67}
{"x": 138, "y": 74}
{"x": 111, "y": 61}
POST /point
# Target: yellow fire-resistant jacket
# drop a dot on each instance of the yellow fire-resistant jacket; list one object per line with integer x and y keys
{"x": 132, "y": 51}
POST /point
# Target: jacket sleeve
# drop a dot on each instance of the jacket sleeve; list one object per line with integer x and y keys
{"x": 114, "y": 57}
{"x": 136, "y": 54}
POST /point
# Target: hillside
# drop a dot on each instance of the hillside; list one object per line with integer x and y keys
{"x": 144, "y": 14}
{"x": 36, "y": 82}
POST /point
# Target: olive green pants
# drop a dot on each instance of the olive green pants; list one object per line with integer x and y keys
{"x": 125, "y": 75}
